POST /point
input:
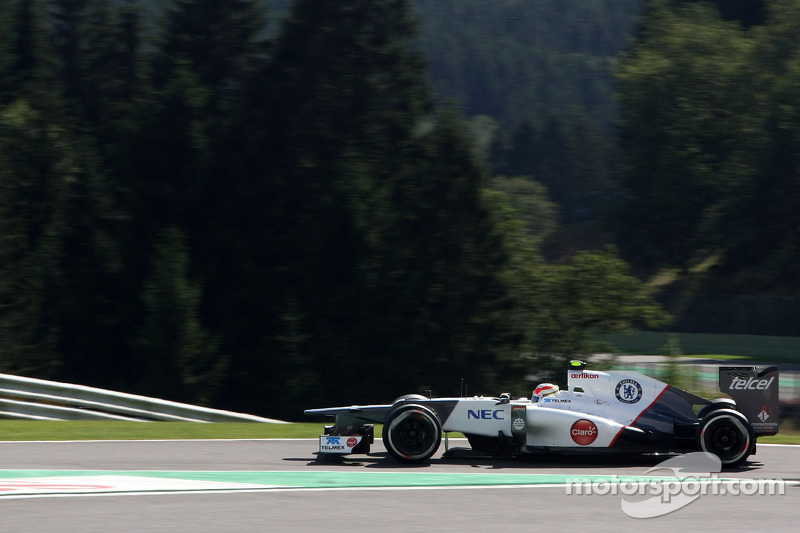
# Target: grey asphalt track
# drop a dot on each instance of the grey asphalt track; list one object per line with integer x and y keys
{"x": 452, "y": 509}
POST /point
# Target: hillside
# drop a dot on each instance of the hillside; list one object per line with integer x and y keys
{"x": 511, "y": 60}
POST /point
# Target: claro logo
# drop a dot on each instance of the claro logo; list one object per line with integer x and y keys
{"x": 750, "y": 383}
{"x": 583, "y": 375}
{"x": 583, "y": 432}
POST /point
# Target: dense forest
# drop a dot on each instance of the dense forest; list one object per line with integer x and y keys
{"x": 231, "y": 201}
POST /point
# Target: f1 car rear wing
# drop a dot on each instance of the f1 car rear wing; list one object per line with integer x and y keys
{"x": 755, "y": 394}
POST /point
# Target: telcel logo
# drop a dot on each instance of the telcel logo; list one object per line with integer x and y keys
{"x": 485, "y": 414}
{"x": 750, "y": 383}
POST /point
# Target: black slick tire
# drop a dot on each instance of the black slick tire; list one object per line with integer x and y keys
{"x": 728, "y": 435}
{"x": 412, "y": 433}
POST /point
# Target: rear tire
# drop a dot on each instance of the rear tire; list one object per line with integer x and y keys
{"x": 715, "y": 405}
{"x": 412, "y": 434}
{"x": 728, "y": 435}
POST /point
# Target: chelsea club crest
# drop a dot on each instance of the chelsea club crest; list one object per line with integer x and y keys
{"x": 628, "y": 391}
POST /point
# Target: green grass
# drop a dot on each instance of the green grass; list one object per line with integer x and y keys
{"x": 781, "y": 438}
{"x": 24, "y": 430}
{"x": 757, "y": 348}
{"x": 82, "y": 430}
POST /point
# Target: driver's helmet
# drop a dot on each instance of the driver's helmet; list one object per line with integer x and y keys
{"x": 543, "y": 389}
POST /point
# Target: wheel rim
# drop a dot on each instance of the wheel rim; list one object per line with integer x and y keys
{"x": 726, "y": 437}
{"x": 413, "y": 434}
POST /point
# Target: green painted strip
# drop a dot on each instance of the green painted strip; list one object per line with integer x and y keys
{"x": 329, "y": 479}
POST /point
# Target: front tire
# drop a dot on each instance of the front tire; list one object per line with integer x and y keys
{"x": 412, "y": 434}
{"x": 728, "y": 435}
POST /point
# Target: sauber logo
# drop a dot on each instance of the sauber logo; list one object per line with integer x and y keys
{"x": 750, "y": 383}
{"x": 583, "y": 432}
{"x": 584, "y": 375}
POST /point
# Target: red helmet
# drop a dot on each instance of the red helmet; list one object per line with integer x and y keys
{"x": 543, "y": 389}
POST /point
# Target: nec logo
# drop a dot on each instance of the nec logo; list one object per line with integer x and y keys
{"x": 485, "y": 414}
{"x": 750, "y": 384}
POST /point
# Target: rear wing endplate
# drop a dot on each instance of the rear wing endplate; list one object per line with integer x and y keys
{"x": 755, "y": 394}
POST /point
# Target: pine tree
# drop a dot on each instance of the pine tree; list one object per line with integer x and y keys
{"x": 342, "y": 100}
{"x": 378, "y": 246}
{"x": 32, "y": 199}
{"x": 187, "y": 127}
{"x": 205, "y": 50}
{"x": 98, "y": 45}
{"x": 27, "y": 62}
{"x": 29, "y": 248}
{"x": 7, "y": 53}
{"x": 179, "y": 358}
{"x": 442, "y": 309}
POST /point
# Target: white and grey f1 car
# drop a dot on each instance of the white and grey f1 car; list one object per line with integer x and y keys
{"x": 615, "y": 411}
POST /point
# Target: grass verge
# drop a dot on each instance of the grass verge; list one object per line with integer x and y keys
{"x": 781, "y": 438}
{"x": 751, "y": 347}
{"x": 24, "y": 430}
